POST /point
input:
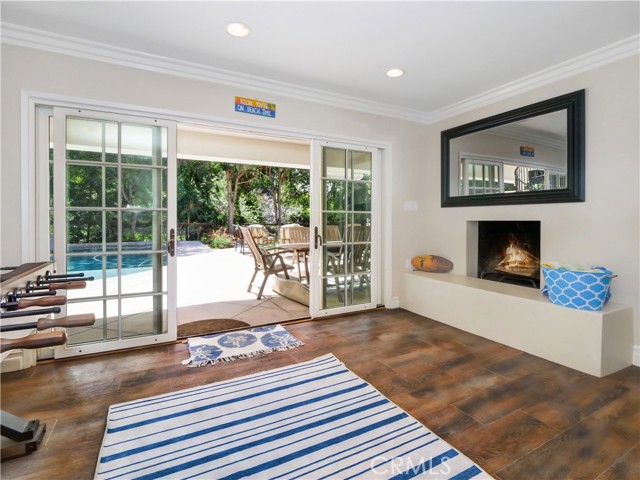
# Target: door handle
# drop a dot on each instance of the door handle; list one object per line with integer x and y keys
{"x": 172, "y": 243}
{"x": 317, "y": 239}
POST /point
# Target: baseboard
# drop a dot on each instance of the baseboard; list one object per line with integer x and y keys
{"x": 393, "y": 303}
{"x": 636, "y": 355}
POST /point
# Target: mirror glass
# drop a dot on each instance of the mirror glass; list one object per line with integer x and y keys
{"x": 533, "y": 154}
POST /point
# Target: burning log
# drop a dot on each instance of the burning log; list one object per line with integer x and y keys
{"x": 518, "y": 261}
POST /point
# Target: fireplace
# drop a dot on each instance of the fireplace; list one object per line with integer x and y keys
{"x": 509, "y": 252}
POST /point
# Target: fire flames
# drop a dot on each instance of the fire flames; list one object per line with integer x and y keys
{"x": 519, "y": 261}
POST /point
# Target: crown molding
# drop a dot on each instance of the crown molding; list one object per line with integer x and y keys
{"x": 589, "y": 61}
{"x": 62, "y": 44}
{"x": 21, "y": 36}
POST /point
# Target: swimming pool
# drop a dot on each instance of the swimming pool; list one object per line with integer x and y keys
{"x": 92, "y": 264}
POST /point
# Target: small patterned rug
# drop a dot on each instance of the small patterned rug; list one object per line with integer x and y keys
{"x": 225, "y": 347}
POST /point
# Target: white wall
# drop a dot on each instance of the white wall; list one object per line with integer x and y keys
{"x": 603, "y": 230}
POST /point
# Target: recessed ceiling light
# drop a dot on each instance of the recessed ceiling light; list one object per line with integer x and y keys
{"x": 237, "y": 29}
{"x": 395, "y": 72}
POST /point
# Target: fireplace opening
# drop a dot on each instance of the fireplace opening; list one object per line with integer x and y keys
{"x": 509, "y": 252}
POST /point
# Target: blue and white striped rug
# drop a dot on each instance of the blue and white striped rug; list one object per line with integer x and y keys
{"x": 310, "y": 420}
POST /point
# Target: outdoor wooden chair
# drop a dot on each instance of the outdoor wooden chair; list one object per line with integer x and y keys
{"x": 239, "y": 240}
{"x": 268, "y": 260}
{"x": 261, "y": 235}
{"x": 335, "y": 257}
{"x": 300, "y": 236}
{"x": 359, "y": 258}
{"x": 283, "y": 232}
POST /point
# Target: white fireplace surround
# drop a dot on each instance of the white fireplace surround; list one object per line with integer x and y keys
{"x": 597, "y": 343}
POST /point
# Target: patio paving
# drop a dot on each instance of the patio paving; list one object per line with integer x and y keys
{"x": 213, "y": 284}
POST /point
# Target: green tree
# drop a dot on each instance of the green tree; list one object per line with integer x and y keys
{"x": 226, "y": 193}
{"x": 287, "y": 192}
{"x": 271, "y": 182}
{"x": 236, "y": 175}
{"x": 201, "y": 193}
{"x": 296, "y": 197}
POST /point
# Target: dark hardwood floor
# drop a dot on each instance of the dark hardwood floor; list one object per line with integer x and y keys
{"x": 518, "y": 416}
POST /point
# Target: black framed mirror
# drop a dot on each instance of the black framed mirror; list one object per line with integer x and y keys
{"x": 533, "y": 154}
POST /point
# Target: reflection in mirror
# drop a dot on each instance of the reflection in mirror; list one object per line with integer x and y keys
{"x": 534, "y": 154}
{"x": 525, "y": 156}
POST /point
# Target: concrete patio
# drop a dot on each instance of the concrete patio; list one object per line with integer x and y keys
{"x": 213, "y": 284}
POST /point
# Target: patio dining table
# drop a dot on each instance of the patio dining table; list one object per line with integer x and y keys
{"x": 300, "y": 249}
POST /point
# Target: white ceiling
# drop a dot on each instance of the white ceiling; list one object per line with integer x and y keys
{"x": 451, "y": 51}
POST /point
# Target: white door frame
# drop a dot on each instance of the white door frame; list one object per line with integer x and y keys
{"x": 31, "y": 214}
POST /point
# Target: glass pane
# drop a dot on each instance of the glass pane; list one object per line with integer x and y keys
{"x": 111, "y": 274}
{"x": 95, "y": 333}
{"x": 113, "y": 320}
{"x": 333, "y": 289}
{"x": 110, "y": 142}
{"x": 111, "y": 231}
{"x": 111, "y": 187}
{"x": 359, "y": 259}
{"x": 334, "y": 260}
{"x": 91, "y": 266}
{"x": 143, "y": 230}
{"x": 334, "y": 163}
{"x": 360, "y": 196}
{"x": 84, "y": 231}
{"x": 138, "y": 273}
{"x": 477, "y": 179}
{"x": 144, "y": 316}
{"x": 91, "y": 140}
{"x": 361, "y": 219}
{"x": 333, "y": 227}
{"x": 334, "y": 195}
{"x": 359, "y": 289}
{"x": 84, "y": 186}
{"x": 360, "y": 165}
{"x": 361, "y": 233}
{"x": 495, "y": 176}
{"x": 144, "y": 145}
{"x": 143, "y": 188}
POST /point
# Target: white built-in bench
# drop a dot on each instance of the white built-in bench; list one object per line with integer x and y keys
{"x": 598, "y": 343}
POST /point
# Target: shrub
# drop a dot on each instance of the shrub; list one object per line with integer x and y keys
{"x": 219, "y": 239}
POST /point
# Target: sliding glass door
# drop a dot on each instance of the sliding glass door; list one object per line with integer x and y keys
{"x": 345, "y": 228}
{"x": 114, "y": 221}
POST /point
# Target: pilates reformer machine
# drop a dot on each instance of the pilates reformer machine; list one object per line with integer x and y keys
{"x": 27, "y": 291}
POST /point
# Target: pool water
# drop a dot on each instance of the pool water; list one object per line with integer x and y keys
{"x": 92, "y": 265}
